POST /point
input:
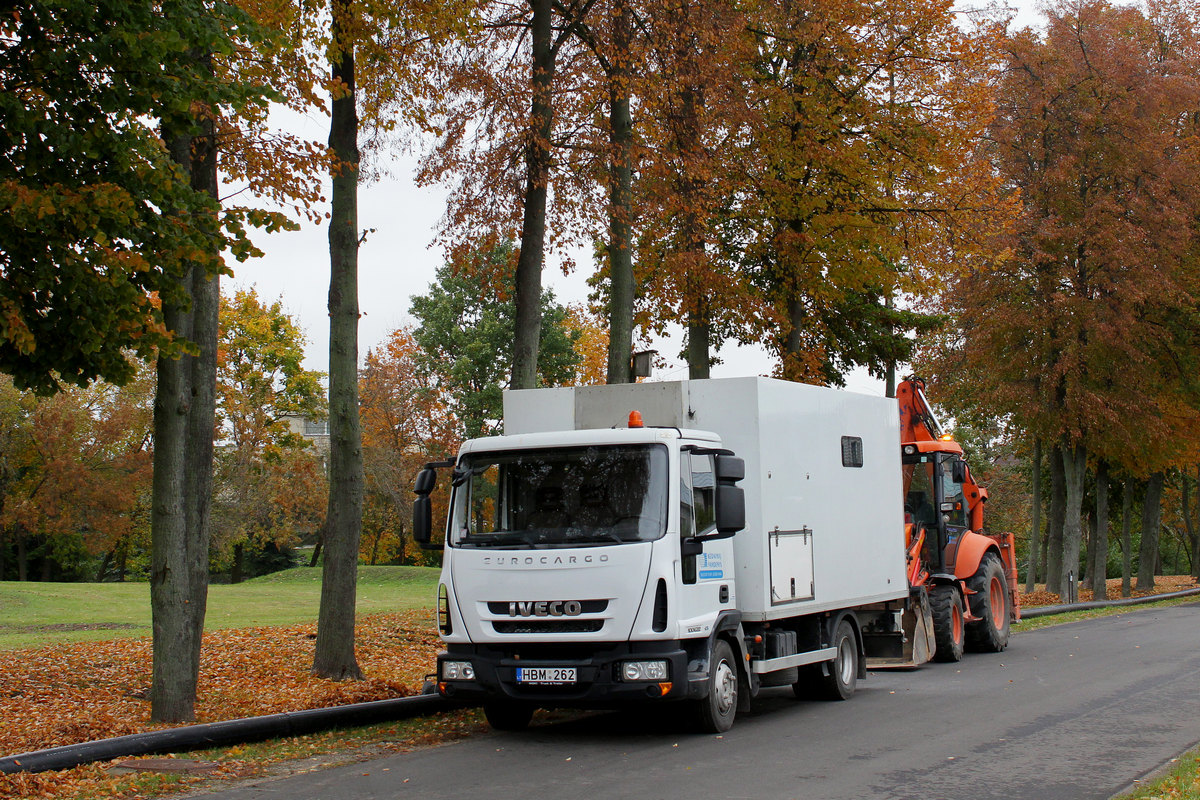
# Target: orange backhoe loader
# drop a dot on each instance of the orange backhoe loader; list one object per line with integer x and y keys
{"x": 967, "y": 576}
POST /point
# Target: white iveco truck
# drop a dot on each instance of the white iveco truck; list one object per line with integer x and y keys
{"x": 686, "y": 542}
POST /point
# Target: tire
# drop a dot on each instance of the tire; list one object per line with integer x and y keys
{"x": 505, "y": 715}
{"x": 949, "y": 632}
{"x": 991, "y": 603}
{"x": 842, "y": 679}
{"x": 715, "y": 713}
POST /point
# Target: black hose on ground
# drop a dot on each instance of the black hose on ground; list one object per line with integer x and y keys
{"x": 1045, "y": 611}
{"x": 235, "y": 731}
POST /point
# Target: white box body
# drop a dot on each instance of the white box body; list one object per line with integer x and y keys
{"x": 819, "y": 535}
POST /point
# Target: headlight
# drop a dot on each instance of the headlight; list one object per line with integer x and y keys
{"x": 645, "y": 671}
{"x": 457, "y": 671}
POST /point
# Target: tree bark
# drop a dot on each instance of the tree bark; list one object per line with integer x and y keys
{"x": 235, "y": 570}
{"x": 316, "y": 553}
{"x": 1151, "y": 519}
{"x": 699, "y": 345}
{"x": 528, "y": 292}
{"x": 1074, "y": 468}
{"x": 334, "y": 657}
{"x": 184, "y": 410}
{"x": 1126, "y": 537}
{"x": 1193, "y": 535}
{"x": 1036, "y": 535}
{"x": 1099, "y": 574}
{"x": 100, "y": 572}
{"x": 620, "y": 213}
{"x": 22, "y": 556}
{"x": 1054, "y": 536}
{"x": 173, "y": 687}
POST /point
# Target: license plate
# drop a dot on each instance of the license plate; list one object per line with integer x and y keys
{"x": 553, "y": 676}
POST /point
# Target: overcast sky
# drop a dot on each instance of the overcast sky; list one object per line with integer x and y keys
{"x": 397, "y": 261}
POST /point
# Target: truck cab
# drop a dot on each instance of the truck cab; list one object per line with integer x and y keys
{"x": 617, "y": 540}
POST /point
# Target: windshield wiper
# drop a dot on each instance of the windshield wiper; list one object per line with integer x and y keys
{"x": 497, "y": 539}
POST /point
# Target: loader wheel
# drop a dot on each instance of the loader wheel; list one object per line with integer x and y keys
{"x": 990, "y": 603}
{"x": 505, "y": 715}
{"x": 945, "y": 603}
{"x": 715, "y": 713}
{"x": 842, "y": 679}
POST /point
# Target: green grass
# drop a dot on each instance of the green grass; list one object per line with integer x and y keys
{"x": 35, "y": 614}
{"x": 1074, "y": 616}
{"x": 1180, "y": 781}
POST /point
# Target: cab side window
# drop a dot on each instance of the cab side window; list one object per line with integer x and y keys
{"x": 952, "y": 496}
{"x": 704, "y": 492}
{"x": 687, "y": 514}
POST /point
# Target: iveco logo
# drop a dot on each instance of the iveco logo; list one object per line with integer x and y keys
{"x": 545, "y": 608}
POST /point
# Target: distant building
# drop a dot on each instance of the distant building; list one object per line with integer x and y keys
{"x": 315, "y": 431}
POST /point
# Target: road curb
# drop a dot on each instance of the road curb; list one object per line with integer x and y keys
{"x": 234, "y": 731}
{"x": 1045, "y": 611}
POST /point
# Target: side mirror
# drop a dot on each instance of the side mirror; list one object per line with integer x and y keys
{"x": 691, "y": 547}
{"x": 422, "y": 528}
{"x": 958, "y": 471}
{"x": 426, "y": 481}
{"x": 730, "y": 499}
{"x": 729, "y": 468}
{"x": 731, "y": 509}
{"x": 422, "y": 520}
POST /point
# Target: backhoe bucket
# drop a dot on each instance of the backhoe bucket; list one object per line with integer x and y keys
{"x": 916, "y": 643}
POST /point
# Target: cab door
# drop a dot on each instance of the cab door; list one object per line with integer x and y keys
{"x": 706, "y": 579}
{"x": 952, "y": 508}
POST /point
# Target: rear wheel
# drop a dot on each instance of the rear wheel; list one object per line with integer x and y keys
{"x": 946, "y": 606}
{"x": 504, "y": 715}
{"x": 715, "y": 713}
{"x": 991, "y": 603}
{"x": 842, "y": 679}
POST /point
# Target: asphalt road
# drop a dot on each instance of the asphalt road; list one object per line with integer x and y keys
{"x": 1071, "y": 712}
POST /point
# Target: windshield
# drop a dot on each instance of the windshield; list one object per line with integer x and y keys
{"x": 561, "y": 497}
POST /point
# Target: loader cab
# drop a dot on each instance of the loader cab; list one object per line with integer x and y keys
{"x": 934, "y": 499}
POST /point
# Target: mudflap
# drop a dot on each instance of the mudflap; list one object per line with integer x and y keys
{"x": 917, "y": 642}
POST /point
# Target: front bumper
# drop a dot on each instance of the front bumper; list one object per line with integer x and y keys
{"x": 598, "y": 683}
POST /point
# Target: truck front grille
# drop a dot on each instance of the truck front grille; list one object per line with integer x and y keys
{"x": 556, "y": 626}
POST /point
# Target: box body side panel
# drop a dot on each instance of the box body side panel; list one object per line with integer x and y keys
{"x": 809, "y": 519}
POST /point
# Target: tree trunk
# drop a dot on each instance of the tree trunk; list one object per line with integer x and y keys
{"x": 1126, "y": 538}
{"x": 1193, "y": 534}
{"x": 1036, "y": 535}
{"x": 1100, "y": 557}
{"x": 1151, "y": 519}
{"x": 239, "y": 555}
{"x": 1074, "y": 469}
{"x": 699, "y": 345}
{"x": 528, "y": 293}
{"x": 22, "y": 556}
{"x": 172, "y": 685}
{"x": 316, "y": 553}
{"x": 334, "y": 657}
{"x": 100, "y": 573}
{"x": 184, "y": 409}
{"x": 620, "y": 211}
{"x": 1054, "y": 536}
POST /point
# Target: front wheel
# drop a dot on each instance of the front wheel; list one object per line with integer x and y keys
{"x": 715, "y": 713}
{"x": 946, "y": 606}
{"x": 991, "y": 604}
